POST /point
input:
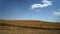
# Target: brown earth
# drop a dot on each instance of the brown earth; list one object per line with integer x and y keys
{"x": 29, "y": 27}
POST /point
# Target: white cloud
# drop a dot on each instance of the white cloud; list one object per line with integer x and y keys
{"x": 57, "y": 13}
{"x": 38, "y": 10}
{"x": 58, "y": 9}
{"x": 45, "y": 4}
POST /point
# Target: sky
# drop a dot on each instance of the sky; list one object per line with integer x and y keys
{"x": 43, "y": 10}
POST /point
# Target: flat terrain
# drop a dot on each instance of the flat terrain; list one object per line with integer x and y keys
{"x": 28, "y": 27}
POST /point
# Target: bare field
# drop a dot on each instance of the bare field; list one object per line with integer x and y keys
{"x": 32, "y": 23}
{"x": 20, "y": 30}
{"x": 28, "y": 27}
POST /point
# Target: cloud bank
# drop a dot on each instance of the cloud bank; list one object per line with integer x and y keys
{"x": 46, "y": 3}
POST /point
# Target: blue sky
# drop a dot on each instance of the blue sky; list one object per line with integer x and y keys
{"x": 44, "y": 10}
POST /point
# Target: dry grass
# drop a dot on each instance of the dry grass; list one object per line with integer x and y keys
{"x": 28, "y": 27}
{"x": 32, "y": 23}
{"x": 19, "y": 30}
